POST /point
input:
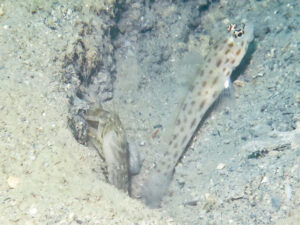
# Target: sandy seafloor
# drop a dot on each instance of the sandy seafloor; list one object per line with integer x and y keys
{"x": 243, "y": 166}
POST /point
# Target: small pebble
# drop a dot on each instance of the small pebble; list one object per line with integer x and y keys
{"x": 32, "y": 211}
{"x": 260, "y": 74}
{"x": 69, "y": 12}
{"x": 29, "y": 223}
{"x": 220, "y": 166}
{"x": 191, "y": 203}
{"x": 238, "y": 83}
{"x": 265, "y": 180}
{"x": 13, "y": 182}
{"x": 71, "y": 216}
{"x": 2, "y": 10}
{"x": 226, "y": 141}
{"x": 288, "y": 192}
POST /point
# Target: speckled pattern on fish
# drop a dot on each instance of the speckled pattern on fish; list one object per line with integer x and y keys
{"x": 210, "y": 81}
